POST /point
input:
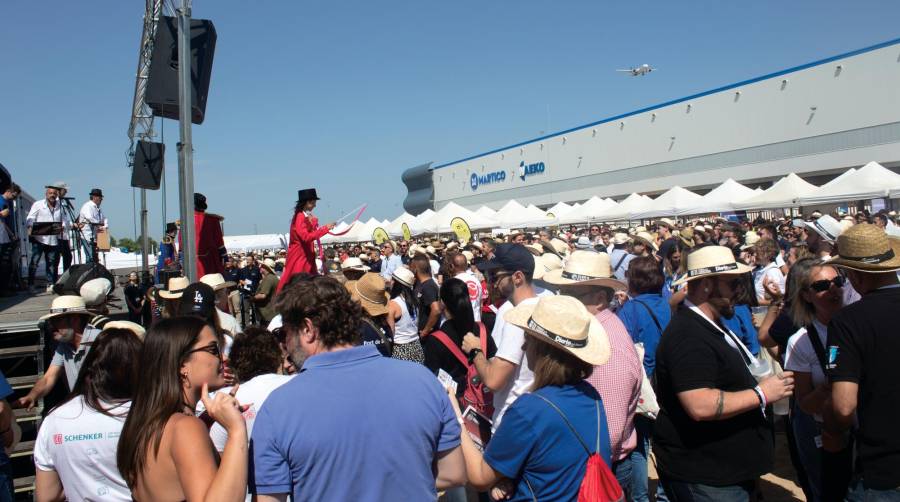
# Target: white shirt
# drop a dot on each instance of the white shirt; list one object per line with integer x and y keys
{"x": 509, "y": 340}
{"x": 80, "y": 443}
{"x": 773, "y": 273}
{"x": 435, "y": 267}
{"x": 406, "y": 330}
{"x": 93, "y": 218}
{"x": 42, "y": 213}
{"x": 476, "y": 294}
{"x": 801, "y": 356}
{"x": 228, "y": 322}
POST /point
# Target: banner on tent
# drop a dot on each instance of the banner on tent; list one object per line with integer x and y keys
{"x": 407, "y": 235}
{"x": 380, "y": 236}
{"x": 461, "y": 229}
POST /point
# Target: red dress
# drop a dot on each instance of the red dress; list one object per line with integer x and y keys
{"x": 301, "y": 255}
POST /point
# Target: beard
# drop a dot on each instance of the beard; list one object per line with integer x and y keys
{"x": 723, "y": 304}
{"x": 64, "y": 335}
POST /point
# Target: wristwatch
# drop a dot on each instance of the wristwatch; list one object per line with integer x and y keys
{"x": 473, "y": 353}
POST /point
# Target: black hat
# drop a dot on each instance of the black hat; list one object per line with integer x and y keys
{"x": 198, "y": 299}
{"x": 307, "y": 194}
{"x": 510, "y": 257}
{"x": 200, "y": 202}
{"x": 171, "y": 227}
{"x": 97, "y": 192}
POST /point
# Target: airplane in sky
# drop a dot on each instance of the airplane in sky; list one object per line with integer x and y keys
{"x": 638, "y": 71}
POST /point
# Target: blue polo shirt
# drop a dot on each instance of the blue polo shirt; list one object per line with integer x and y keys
{"x": 640, "y": 325}
{"x": 741, "y": 324}
{"x": 353, "y": 425}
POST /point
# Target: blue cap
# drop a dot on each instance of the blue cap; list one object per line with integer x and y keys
{"x": 510, "y": 257}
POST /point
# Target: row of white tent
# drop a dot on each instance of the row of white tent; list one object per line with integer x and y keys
{"x": 871, "y": 181}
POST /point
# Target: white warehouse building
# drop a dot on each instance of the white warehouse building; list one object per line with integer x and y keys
{"x": 815, "y": 120}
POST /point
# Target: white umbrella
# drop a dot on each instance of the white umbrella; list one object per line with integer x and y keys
{"x": 871, "y": 181}
{"x": 786, "y": 192}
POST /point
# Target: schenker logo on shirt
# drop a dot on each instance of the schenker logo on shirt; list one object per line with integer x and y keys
{"x": 68, "y": 438}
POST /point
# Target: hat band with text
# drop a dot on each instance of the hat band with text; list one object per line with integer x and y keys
{"x": 824, "y": 231}
{"x": 565, "y": 342}
{"x": 580, "y": 277}
{"x": 63, "y": 310}
{"x": 871, "y": 260}
{"x": 712, "y": 270}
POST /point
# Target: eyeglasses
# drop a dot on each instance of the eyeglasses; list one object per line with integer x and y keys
{"x": 825, "y": 284}
{"x": 212, "y": 348}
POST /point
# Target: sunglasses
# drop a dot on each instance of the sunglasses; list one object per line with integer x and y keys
{"x": 212, "y": 348}
{"x": 825, "y": 284}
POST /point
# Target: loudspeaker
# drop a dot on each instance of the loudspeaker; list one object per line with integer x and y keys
{"x": 162, "y": 83}
{"x": 71, "y": 281}
{"x": 5, "y": 179}
{"x": 149, "y": 161}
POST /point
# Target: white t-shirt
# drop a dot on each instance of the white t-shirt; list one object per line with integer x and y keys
{"x": 773, "y": 273}
{"x": 801, "y": 356}
{"x": 509, "y": 340}
{"x": 435, "y": 267}
{"x": 255, "y": 391}
{"x": 476, "y": 294}
{"x": 79, "y": 443}
{"x": 406, "y": 330}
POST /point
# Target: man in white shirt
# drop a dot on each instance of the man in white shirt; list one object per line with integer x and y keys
{"x": 45, "y": 223}
{"x": 390, "y": 262}
{"x": 460, "y": 270}
{"x": 510, "y": 273}
{"x": 93, "y": 220}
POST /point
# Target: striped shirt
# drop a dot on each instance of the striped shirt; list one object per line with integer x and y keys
{"x": 619, "y": 384}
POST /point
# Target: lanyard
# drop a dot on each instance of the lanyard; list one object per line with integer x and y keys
{"x": 730, "y": 337}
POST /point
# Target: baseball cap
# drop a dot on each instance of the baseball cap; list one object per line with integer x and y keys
{"x": 510, "y": 257}
{"x": 198, "y": 299}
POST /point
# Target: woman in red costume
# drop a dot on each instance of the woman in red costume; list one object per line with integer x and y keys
{"x": 305, "y": 231}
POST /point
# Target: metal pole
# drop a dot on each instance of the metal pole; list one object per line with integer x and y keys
{"x": 185, "y": 146}
{"x": 145, "y": 239}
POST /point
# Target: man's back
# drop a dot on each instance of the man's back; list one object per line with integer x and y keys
{"x": 353, "y": 425}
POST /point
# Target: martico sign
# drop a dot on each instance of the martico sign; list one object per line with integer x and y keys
{"x": 525, "y": 171}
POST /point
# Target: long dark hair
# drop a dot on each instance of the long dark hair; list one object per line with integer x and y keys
{"x": 108, "y": 373}
{"x": 158, "y": 395}
{"x": 406, "y": 293}
{"x": 300, "y": 204}
{"x": 455, "y": 295}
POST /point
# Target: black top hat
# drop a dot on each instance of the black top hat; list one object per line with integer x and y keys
{"x": 96, "y": 192}
{"x": 200, "y": 202}
{"x": 307, "y": 194}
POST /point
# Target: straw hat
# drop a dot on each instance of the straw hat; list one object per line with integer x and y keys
{"x": 648, "y": 239}
{"x": 217, "y": 281}
{"x": 535, "y": 249}
{"x": 134, "y": 327}
{"x": 477, "y": 245}
{"x": 405, "y": 276}
{"x": 565, "y": 323}
{"x": 174, "y": 288}
{"x": 550, "y": 262}
{"x": 539, "y": 269}
{"x": 585, "y": 268}
{"x": 866, "y": 248}
{"x": 469, "y": 256}
{"x": 687, "y": 236}
{"x": 95, "y": 291}
{"x": 826, "y": 226}
{"x": 709, "y": 261}
{"x": 666, "y": 222}
{"x": 750, "y": 239}
{"x": 620, "y": 238}
{"x": 369, "y": 292}
{"x": 67, "y": 305}
{"x": 559, "y": 246}
{"x": 354, "y": 263}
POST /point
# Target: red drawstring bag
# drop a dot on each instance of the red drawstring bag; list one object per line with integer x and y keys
{"x": 599, "y": 484}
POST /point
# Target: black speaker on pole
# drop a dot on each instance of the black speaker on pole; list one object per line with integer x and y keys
{"x": 149, "y": 162}
{"x": 5, "y": 179}
{"x": 162, "y": 83}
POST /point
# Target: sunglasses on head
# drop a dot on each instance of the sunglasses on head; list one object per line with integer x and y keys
{"x": 825, "y": 284}
{"x": 212, "y": 348}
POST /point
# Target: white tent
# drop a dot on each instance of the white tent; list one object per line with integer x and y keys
{"x": 671, "y": 203}
{"x": 538, "y": 217}
{"x": 235, "y": 243}
{"x": 439, "y": 222}
{"x": 786, "y": 192}
{"x": 587, "y": 211}
{"x": 339, "y": 228}
{"x": 417, "y": 226}
{"x": 559, "y": 209}
{"x": 871, "y": 181}
{"x": 513, "y": 214}
{"x": 719, "y": 199}
{"x": 360, "y": 232}
{"x": 486, "y": 212}
{"x": 623, "y": 210}
{"x": 395, "y": 227}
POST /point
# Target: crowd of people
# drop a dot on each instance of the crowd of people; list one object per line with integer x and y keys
{"x": 528, "y": 366}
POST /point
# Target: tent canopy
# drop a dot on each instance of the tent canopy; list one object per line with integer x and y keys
{"x": 587, "y": 211}
{"x": 236, "y": 243}
{"x": 624, "y": 209}
{"x": 786, "y": 192}
{"x": 395, "y": 227}
{"x": 871, "y": 181}
{"x": 719, "y": 199}
{"x": 671, "y": 203}
{"x": 439, "y": 222}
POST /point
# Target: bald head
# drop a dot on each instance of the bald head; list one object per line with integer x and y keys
{"x": 459, "y": 262}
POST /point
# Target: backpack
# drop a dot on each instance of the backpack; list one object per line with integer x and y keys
{"x": 477, "y": 394}
{"x": 599, "y": 484}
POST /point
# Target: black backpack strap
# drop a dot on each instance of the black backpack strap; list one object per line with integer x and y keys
{"x": 572, "y": 428}
{"x": 619, "y": 263}
{"x": 649, "y": 311}
{"x": 817, "y": 346}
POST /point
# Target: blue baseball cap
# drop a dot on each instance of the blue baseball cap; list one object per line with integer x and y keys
{"x": 510, "y": 257}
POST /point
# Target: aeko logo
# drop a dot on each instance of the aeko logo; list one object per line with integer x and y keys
{"x": 526, "y": 170}
{"x": 486, "y": 179}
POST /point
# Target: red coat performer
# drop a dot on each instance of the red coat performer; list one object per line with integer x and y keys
{"x": 210, "y": 243}
{"x": 305, "y": 231}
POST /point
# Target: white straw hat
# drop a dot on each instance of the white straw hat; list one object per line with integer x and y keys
{"x": 95, "y": 291}
{"x": 826, "y": 226}
{"x": 405, "y": 276}
{"x": 709, "y": 261}
{"x": 565, "y": 323}
{"x": 175, "y": 288}
{"x": 66, "y": 305}
{"x": 585, "y": 268}
{"x": 354, "y": 263}
{"x": 217, "y": 281}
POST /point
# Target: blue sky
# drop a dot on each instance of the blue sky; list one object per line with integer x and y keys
{"x": 345, "y": 96}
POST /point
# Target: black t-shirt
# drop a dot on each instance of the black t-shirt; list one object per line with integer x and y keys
{"x": 438, "y": 356}
{"x": 426, "y": 293}
{"x": 232, "y": 274}
{"x": 367, "y": 328}
{"x": 375, "y": 266}
{"x": 782, "y": 329}
{"x": 135, "y": 294}
{"x": 692, "y": 354}
{"x": 862, "y": 348}
{"x": 252, "y": 275}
